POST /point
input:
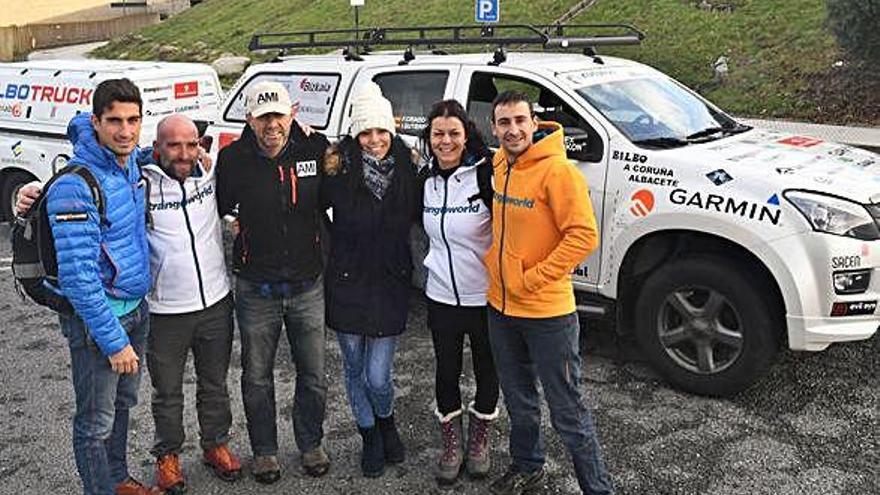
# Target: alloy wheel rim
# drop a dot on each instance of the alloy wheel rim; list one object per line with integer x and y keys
{"x": 700, "y": 330}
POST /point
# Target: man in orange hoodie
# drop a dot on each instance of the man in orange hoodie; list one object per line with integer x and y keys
{"x": 543, "y": 226}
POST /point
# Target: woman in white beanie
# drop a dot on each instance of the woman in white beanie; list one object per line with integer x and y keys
{"x": 371, "y": 185}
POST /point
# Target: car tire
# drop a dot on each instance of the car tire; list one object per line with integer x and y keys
{"x": 11, "y": 185}
{"x": 707, "y": 325}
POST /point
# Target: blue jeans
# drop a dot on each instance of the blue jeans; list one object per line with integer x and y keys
{"x": 260, "y": 316}
{"x": 369, "y": 365}
{"x": 103, "y": 399}
{"x": 546, "y": 349}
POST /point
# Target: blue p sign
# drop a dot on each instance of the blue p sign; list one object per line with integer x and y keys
{"x": 488, "y": 10}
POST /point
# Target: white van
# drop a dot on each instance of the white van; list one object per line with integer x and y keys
{"x": 38, "y": 99}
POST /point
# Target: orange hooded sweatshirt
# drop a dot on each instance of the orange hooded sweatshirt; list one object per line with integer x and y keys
{"x": 542, "y": 226}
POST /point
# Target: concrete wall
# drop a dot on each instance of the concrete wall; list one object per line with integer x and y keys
{"x": 17, "y": 41}
{"x": 33, "y": 11}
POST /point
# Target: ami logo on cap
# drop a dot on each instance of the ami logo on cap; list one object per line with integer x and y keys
{"x": 268, "y": 97}
{"x": 186, "y": 89}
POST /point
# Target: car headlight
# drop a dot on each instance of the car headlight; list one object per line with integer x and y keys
{"x": 834, "y": 215}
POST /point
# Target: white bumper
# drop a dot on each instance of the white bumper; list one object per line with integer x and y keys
{"x": 804, "y": 267}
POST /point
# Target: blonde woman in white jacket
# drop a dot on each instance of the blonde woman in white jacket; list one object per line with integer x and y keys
{"x": 457, "y": 217}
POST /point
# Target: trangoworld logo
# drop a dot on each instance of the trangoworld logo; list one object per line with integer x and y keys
{"x": 512, "y": 201}
{"x": 642, "y": 203}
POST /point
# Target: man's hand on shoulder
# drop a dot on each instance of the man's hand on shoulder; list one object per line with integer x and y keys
{"x": 125, "y": 361}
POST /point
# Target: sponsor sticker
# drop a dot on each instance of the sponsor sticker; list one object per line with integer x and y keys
{"x": 186, "y": 89}
{"x": 854, "y": 308}
{"x": 845, "y": 262}
{"x": 719, "y": 177}
{"x": 642, "y": 203}
{"x": 767, "y": 212}
{"x": 17, "y": 149}
{"x": 227, "y": 138}
{"x": 800, "y": 141}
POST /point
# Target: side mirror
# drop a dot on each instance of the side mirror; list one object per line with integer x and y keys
{"x": 580, "y": 147}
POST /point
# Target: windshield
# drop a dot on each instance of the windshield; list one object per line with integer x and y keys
{"x": 657, "y": 112}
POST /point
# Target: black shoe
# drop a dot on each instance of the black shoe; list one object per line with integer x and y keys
{"x": 516, "y": 482}
{"x": 393, "y": 446}
{"x": 373, "y": 456}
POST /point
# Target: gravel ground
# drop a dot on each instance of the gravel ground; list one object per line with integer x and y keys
{"x": 812, "y": 426}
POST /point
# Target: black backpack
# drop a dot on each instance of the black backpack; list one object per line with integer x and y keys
{"x": 34, "y": 261}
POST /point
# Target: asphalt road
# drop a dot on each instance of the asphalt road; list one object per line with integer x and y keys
{"x": 812, "y": 426}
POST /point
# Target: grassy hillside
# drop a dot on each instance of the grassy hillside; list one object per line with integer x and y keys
{"x": 781, "y": 55}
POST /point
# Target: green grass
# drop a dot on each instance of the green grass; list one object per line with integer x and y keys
{"x": 774, "y": 47}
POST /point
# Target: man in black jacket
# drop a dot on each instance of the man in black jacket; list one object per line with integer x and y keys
{"x": 272, "y": 176}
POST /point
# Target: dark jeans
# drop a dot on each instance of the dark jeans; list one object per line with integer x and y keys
{"x": 369, "y": 366}
{"x": 103, "y": 400}
{"x": 208, "y": 334}
{"x": 260, "y": 317}
{"x": 529, "y": 349}
{"x": 449, "y": 325}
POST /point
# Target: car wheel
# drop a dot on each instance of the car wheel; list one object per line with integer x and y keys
{"x": 707, "y": 325}
{"x": 11, "y": 185}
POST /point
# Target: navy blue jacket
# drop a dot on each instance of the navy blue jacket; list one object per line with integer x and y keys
{"x": 94, "y": 260}
{"x": 368, "y": 276}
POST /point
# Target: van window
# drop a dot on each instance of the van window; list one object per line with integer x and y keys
{"x": 582, "y": 142}
{"x": 412, "y": 94}
{"x": 315, "y": 94}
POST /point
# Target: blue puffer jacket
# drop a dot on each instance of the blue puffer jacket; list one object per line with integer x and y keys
{"x": 96, "y": 261}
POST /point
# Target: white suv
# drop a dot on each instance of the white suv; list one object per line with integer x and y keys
{"x": 718, "y": 241}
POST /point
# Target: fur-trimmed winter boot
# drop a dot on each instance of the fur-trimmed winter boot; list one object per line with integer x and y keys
{"x": 452, "y": 457}
{"x": 478, "y": 461}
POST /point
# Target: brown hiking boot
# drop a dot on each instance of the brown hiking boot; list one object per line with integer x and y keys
{"x": 315, "y": 462}
{"x": 266, "y": 469}
{"x": 449, "y": 464}
{"x": 224, "y": 463}
{"x": 478, "y": 462}
{"x": 169, "y": 476}
{"x": 132, "y": 486}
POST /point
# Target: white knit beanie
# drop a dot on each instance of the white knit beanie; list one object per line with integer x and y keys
{"x": 371, "y": 110}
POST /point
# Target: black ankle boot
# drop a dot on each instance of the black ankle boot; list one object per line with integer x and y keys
{"x": 373, "y": 456}
{"x": 394, "y": 451}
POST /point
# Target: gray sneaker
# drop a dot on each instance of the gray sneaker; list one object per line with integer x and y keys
{"x": 315, "y": 462}
{"x": 266, "y": 469}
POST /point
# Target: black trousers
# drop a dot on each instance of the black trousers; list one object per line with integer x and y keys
{"x": 208, "y": 334}
{"x": 449, "y": 325}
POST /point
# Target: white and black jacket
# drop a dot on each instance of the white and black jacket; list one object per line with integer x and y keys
{"x": 186, "y": 243}
{"x": 458, "y": 224}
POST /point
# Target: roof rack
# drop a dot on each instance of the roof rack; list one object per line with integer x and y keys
{"x": 552, "y": 36}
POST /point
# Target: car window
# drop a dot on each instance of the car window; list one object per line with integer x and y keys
{"x": 412, "y": 94}
{"x": 548, "y": 106}
{"x": 313, "y": 92}
{"x": 647, "y": 109}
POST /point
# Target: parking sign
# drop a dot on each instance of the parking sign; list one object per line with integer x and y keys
{"x": 488, "y": 10}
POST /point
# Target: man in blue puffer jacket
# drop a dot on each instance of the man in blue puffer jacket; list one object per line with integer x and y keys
{"x": 103, "y": 270}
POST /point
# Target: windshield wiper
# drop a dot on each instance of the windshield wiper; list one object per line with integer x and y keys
{"x": 661, "y": 142}
{"x": 715, "y": 130}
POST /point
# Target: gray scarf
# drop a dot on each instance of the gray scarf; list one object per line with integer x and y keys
{"x": 378, "y": 173}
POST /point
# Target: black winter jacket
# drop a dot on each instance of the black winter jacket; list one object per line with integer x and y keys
{"x": 279, "y": 208}
{"x": 368, "y": 275}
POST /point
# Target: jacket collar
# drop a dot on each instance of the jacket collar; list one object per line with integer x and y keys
{"x": 547, "y": 142}
{"x": 87, "y": 149}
